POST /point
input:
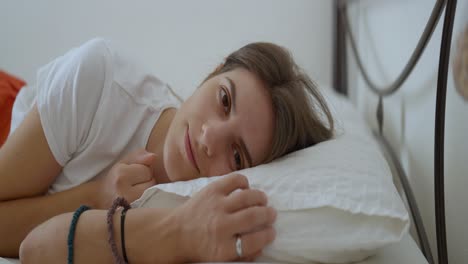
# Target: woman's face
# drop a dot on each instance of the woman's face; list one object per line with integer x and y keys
{"x": 226, "y": 125}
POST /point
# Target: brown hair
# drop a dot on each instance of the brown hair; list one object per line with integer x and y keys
{"x": 298, "y": 105}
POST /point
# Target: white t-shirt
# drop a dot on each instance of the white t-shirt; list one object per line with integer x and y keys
{"x": 96, "y": 106}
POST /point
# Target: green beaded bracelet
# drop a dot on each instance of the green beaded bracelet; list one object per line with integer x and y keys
{"x": 71, "y": 232}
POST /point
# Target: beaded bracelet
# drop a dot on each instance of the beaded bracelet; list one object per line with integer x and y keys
{"x": 71, "y": 232}
{"x": 122, "y": 233}
{"x": 119, "y": 201}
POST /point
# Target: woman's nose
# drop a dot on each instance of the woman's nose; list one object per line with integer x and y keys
{"x": 213, "y": 137}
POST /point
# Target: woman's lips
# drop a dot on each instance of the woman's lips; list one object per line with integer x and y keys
{"x": 188, "y": 150}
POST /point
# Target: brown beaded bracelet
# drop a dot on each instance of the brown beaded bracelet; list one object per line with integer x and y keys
{"x": 119, "y": 201}
{"x": 122, "y": 233}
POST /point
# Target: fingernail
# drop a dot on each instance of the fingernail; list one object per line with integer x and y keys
{"x": 273, "y": 235}
{"x": 149, "y": 154}
{"x": 275, "y": 214}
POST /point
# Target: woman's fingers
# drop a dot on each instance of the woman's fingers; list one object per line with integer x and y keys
{"x": 253, "y": 243}
{"x": 134, "y": 174}
{"x": 133, "y": 180}
{"x": 140, "y": 156}
{"x": 138, "y": 189}
{"x": 251, "y": 219}
{"x": 217, "y": 213}
{"x": 231, "y": 183}
{"x": 244, "y": 199}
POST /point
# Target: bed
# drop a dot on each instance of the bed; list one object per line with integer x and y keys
{"x": 407, "y": 250}
{"x": 404, "y": 252}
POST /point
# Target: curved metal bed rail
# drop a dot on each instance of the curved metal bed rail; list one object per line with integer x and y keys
{"x": 413, "y": 207}
{"x": 341, "y": 78}
{"x": 422, "y": 43}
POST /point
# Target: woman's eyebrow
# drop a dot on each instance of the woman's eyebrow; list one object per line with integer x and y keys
{"x": 232, "y": 88}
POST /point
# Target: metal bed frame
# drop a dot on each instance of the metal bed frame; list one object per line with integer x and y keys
{"x": 344, "y": 34}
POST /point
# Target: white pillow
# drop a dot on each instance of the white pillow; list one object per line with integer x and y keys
{"x": 336, "y": 201}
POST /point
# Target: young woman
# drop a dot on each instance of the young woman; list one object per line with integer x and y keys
{"x": 102, "y": 128}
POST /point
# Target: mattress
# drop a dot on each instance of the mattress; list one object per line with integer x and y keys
{"x": 404, "y": 252}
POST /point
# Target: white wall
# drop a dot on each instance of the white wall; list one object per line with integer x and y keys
{"x": 181, "y": 40}
{"x": 388, "y": 32}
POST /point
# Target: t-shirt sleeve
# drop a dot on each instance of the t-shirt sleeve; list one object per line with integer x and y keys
{"x": 69, "y": 91}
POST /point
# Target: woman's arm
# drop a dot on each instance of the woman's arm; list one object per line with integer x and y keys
{"x": 27, "y": 165}
{"x": 69, "y": 90}
{"x": 48, "y": 242}
{"x": 19, "y": 217}
{"x": 27, "y": 169}
{"x": 205, "y": 228}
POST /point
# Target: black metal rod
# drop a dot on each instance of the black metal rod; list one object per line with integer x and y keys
{"x": 340, "y": 80}
{"x": 413, "y": 207}
{"x": 440, "y": 131}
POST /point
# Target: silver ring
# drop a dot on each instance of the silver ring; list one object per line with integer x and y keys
{"x": 239, "y": 246}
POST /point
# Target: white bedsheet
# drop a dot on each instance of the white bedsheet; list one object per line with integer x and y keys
{"x": 404, "y": 252}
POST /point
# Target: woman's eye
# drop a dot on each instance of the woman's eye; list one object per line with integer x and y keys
{"x": 225, "y": 100}
{"x": 237, "y": 159}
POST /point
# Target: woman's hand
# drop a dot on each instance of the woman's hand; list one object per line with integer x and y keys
{"x": 213, "y": 218}
{"x": 129, "y": 178}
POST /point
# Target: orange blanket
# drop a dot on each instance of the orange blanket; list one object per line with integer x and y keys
{"x": 9, "y": 88}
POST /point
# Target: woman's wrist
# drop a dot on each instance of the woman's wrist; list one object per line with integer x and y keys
{"x": 153, "y": 236}
{"x": 92, "y": 193}
{"x": 187, "y": 244}
{"x": 176, "y": 231}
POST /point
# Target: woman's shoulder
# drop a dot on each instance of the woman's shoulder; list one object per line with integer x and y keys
{"x": 95, "y": 52}
{"x": 84, "y": 68}
{"x": 117, "y": 70}
{"x": 96, "y": 46}
{"x": 138, "y": 81}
